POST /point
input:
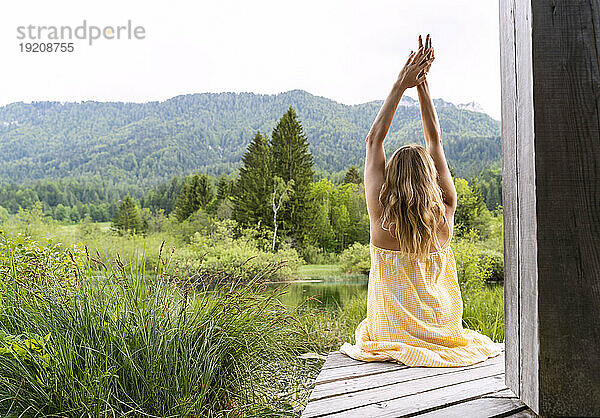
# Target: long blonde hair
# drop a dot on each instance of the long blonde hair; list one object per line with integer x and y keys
{"x": 411, "y": 200}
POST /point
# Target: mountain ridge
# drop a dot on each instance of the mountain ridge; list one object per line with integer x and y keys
{"x": 145, "y": 142}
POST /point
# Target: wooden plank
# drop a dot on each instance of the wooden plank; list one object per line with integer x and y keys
{"x": 403, "y": 389}
{"x": 435, "y": 397}
{"x": 371, "y": 382}
{"x": 527, "y": 413}
{"x": 567, "y": 159}
{"x": 338, "y": 359}
{"x": 527, "y": 206}
{"x": 505, "y": 393}
{"x": 509, "y": 191}
{"x": 481, "y": 407}
{"x": 363, "y": 369}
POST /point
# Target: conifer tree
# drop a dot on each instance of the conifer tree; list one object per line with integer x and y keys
{"x": 127, "y": 217}
{"x": 253, "y": 189}
{"x": 293, "y": 161}
{"x": 352, "y": 176}
{"x": 224, "y": 187}
{"x": 195, "y": 194}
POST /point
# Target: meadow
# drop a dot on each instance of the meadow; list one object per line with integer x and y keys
{"x": 186, "y": 321}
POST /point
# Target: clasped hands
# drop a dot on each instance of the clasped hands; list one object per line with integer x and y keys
{"x": 417, "y": 66}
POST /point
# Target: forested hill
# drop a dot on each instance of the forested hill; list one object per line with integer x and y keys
{"x": 146, "y": 143}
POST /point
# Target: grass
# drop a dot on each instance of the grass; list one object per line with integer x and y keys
{"x": 85, "y": 334}
{"x": 103, "y": 338}
{"x": 483, "y": 310}
{"x": 315, "y": 271}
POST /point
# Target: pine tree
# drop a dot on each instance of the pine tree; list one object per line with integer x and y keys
{"x": 127, "y": 217}
{"x": 224, "y": 187}
{"x": 195, "y": 194}
{"x": 352, "y": 176}
{"x": 254, "y": 186}
{"x": 293, "y": 161}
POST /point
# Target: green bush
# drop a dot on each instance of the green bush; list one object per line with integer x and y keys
{"x": 219, "y": 251}
{"x": 198, "y": 222}
{"x": 4, "y": 215}
{"x": 315, "y": 255}
{"x": 213, "y": 245}
{"x": 24, "y": 259}
{"x": 356, "y": 259}
{"x": 495, "y": 262}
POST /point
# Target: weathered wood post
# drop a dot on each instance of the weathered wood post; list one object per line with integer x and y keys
{"x": 550, "y": 68}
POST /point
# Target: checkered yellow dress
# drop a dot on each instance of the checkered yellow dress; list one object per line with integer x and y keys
{"x": 414, "y": 314}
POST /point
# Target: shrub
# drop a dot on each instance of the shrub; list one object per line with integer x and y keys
{"x": 26, "y": 260}
{"x": 469, "y": 267}
{"x": 356, "y": 259}
{"x": 315, "y": 255}
{"x": 4, "y": 215}
{"x": 495, "y": 262}
{"x": 199, "y": 221}
{"x": 219, "y": 251}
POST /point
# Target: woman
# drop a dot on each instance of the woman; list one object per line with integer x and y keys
{"x": 414, "y": 307}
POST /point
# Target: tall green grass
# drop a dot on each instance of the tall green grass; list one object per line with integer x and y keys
{"x": 483, "y": 311}
{"x": 99, "y": 337}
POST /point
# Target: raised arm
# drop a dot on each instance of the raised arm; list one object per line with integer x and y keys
{"x": 375, "y": 155}
{"x": 433, "y": 139}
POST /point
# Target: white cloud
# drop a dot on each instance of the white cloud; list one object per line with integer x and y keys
{"x": 349, "y": 51}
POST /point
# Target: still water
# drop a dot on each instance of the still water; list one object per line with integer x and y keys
{"x": 330, "y": 292}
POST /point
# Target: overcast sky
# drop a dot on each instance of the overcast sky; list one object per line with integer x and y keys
{"x": 350, "y": 51}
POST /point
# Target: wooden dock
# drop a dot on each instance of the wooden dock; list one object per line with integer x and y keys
{"x": 350, "y": 388}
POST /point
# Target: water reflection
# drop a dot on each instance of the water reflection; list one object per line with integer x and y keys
{"x": 326, "y": 294}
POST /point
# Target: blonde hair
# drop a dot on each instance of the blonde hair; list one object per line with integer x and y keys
{"x": 411, "y": 200}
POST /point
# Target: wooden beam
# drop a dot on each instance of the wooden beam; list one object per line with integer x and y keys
{"x": 566, "y": 93}
{"x": 509, "y": 193}
{"x": 337, "y": 374}
{"x": 550, "y": 64}
{"x": 526, "y": 181}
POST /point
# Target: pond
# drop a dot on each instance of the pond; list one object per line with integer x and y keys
{"x": 324, "y": 288}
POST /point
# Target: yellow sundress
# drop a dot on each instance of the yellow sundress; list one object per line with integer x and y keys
{"x": 414, "y": 314}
